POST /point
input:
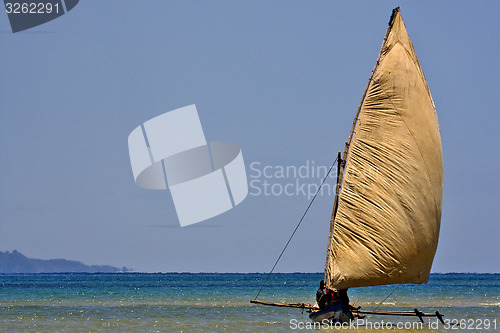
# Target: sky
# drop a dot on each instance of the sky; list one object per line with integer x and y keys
{"x": 282, "y": 79}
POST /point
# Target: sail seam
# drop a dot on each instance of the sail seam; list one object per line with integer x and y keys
{"x": 423, "y": 81}
{"x": 418, "y": 147}
{"x": 415, "y": 63}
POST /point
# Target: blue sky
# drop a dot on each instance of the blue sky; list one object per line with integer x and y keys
{"x": 282, "y": 79}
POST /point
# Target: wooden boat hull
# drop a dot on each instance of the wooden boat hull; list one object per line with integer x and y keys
{"x": 336, "y": 312}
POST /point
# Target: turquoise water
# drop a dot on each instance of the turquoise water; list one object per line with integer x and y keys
{"x": 182, "y": 302}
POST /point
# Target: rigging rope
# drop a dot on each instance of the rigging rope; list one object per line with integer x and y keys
{"x": 393, "y": 290}
{"x": 293, "y": 233}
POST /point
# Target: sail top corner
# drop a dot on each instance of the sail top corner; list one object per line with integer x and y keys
{"x": 395, "y": 12}
{"x": 397, "y": 33}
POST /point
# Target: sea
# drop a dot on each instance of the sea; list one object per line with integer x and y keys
{"x": 215, "y": 302}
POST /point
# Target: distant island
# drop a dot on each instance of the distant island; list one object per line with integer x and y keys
{"x": 15, "y": 262}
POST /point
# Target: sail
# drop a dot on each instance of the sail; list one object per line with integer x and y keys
{"x": 387, "y": 221}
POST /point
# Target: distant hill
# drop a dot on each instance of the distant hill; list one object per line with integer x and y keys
{"x": 15, "y": 262}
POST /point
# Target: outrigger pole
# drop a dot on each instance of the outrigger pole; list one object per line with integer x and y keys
{"x": 285, "y": 305}
{"x": 415, "y": 312}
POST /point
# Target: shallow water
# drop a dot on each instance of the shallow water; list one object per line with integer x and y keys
{"x": 220, "y": 302}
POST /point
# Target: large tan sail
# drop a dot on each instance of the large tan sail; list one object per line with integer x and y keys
{"x": 386, "y": 226}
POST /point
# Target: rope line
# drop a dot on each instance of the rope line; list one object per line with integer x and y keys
{"x": 393, "y": 290}
{"x": 297, "y": 227}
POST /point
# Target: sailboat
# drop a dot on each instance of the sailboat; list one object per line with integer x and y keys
{"x": 386, "y": 216}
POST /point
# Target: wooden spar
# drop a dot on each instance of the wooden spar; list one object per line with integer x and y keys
{"x": 340, "y": 172}
{"x": 285, "y": 305}
{"x": 396, "y": 313}
{"x": 415, "y": 313}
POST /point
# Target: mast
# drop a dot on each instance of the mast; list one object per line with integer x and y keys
{"x": 341, "y": 160}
